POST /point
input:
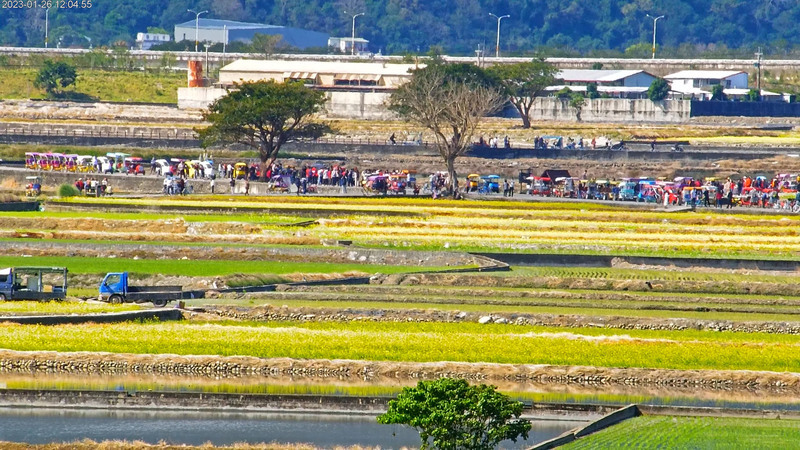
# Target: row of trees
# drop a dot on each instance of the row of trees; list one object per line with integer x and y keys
{"x": 691, "y": 27}
{"x": 450, "y": 100}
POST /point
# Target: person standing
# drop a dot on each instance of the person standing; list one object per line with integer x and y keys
{"x": 233, "y": 185}
{"x": 246, "y": 186}
{"x": 511, "y": 188}
{"x": 212, "y": 185}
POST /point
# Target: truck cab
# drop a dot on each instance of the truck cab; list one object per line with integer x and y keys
{"x": 114, "y": 287}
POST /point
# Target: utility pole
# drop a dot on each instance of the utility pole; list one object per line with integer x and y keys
{"x": 196, "y": 26}
{"x": 758, "y": 66}
{"x": 353, "y": 36}
{"x": 655, "y": 21}
{"x": 46, "y": 24}
{"x": 497, "y": 45}
{"x": 479, "y": 56}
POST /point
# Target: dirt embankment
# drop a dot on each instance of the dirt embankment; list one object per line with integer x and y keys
{"x": 750, "y": 287}
{"x": 330, "y": 314}
{"x": 392, "y": 373}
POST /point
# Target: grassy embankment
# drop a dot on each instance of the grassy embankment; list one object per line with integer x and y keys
{"x": 105, "y": 85}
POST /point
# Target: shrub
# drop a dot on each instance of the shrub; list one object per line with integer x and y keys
{"x": 658, "y": 90}
{"x": 591, "y": 91}
{"x": 67, "y": 190}
{"x": 718, "y": 93}
{"x": 753, "y": 95}
{"x": 565, "y": 92}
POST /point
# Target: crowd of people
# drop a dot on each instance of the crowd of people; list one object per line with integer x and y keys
{"x": 93, "y": 187}
{"x": 780, "y": 191}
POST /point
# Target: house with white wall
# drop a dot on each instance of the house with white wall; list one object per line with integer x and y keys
{"x": 700, "y": 82}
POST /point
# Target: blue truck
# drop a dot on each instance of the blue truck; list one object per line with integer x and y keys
{"x": 115, "y": 289}
{"x": 33, "y": 283}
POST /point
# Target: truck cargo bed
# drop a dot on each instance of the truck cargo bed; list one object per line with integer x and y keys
{"x": 153, "y": 289}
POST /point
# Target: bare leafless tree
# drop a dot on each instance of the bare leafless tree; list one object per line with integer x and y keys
{"x": 451, "y": 103}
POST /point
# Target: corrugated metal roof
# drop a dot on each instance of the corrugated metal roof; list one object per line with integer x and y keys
{"x": 741, "y": 91}
{"x": 607, "y": 89}
{"x": 319, "y": 67}
{"x": 599, "y": 76}
{"x": 702, "y": 74}
{"x": 229, "y": 24}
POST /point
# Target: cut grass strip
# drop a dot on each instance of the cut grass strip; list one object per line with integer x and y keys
{"x": 34, "y": 308}
{"x": 197, "y": 218}
{"x": 191, "y": 267}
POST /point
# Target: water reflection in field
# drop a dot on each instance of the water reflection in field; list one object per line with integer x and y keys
{"x": 529, "y": 392}
{"x": 38, "y": 426}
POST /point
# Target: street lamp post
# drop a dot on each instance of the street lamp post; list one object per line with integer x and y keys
{"x": 497, "y": 45}
{"x": 46, "y": 24}
{"x": 655, "y": 21}
{"x": 196, "y": 26}
{"x": 353, "y": 36}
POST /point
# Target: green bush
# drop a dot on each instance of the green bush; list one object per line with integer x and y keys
{"x": 658, "y": 90}
{"x": 67, "y": 190}
{"x": 591, "y": 91}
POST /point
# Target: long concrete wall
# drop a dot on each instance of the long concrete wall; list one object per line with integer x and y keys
{"x": 372, "y": 106}
{"x": 660, "y": 66}
{"x": 358, "y": 105}
{"x": 340, "y": 104}
{"x": 612, "y": 110}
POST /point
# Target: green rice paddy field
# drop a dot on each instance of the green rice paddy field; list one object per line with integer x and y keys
{"x": 626, "y": 293}
{"x": 651, "y": 432}
{"x": 505, "y": 226}
{"x": 424, "y": 342}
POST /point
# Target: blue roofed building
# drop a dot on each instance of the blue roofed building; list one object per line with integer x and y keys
{"x": 227, "y": 31}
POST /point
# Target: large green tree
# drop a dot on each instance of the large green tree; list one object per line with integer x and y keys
{"x": 263, "y": 115}
{"x": 450, "y": 100}
{"x": 54, "y": 75}
{"x": 450, "y": 414}
{"x": 522, "y": 82}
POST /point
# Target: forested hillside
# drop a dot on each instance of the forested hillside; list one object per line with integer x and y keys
{"x": 557, "y": 27}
